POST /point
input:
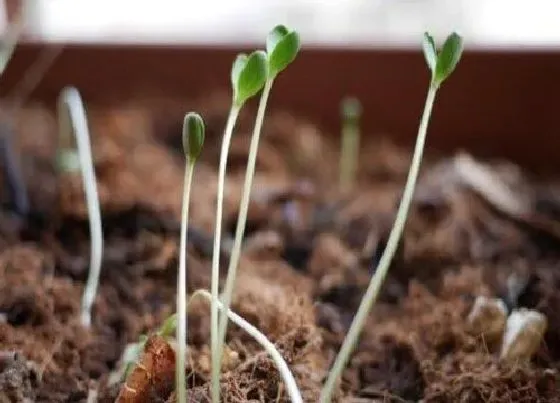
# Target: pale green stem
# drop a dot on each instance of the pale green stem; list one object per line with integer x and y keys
{"x": 349, "y": 154}
{"x": 215, "y": 280}
{"x": 377, "y": 280}
{"x": 242, "y": 216}
{"x": 70, "y": 98}
{"x": 181, "y": 331}
{"x": 270, "y": 348}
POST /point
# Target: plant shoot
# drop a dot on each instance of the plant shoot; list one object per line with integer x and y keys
{"x": 72, "y": 118}
{"x": 442, "y": 65}
{"x": 351, "y": 110}
{"x": 193, "y": 140}
{"x": 282, "y": 47}
{"x": 248, "y": 76}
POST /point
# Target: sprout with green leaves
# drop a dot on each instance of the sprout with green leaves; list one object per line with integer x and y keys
{"x": 441, "y": 64}
{"x": 282, "y": 46}
{"x": 72, "y": 118}
{"x": 351, "y": 110}
{"x": 248, "y": 76}
{"x": 193, "y": 140}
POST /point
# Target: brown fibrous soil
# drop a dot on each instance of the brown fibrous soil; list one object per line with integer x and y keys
{"x": 308, "y": 255}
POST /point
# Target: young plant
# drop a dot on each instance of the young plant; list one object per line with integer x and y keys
{"x": 72, "y": 117}
{"x": 441, "y": 65}
{"x": 282, "y": 46}
{"x": 351, "y": 110}
{"x": 193, "y": 139}
{"x": 285, "y": 373}
{"x": 132, "y": 351}
{"x": 248, "y": 76}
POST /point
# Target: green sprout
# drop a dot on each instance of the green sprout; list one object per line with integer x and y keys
{"x": 72, "y": 118}
{"x": 132, "y": 351}
{"x": 248, "y": 76}
{"x": 282, "y": 48}
{"x": 441, "y": 65}
{"x": 193, "y": 139}
{"x": 351, "y": 109}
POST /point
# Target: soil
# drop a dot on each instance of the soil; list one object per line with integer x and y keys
{"x": 309, "y": 253}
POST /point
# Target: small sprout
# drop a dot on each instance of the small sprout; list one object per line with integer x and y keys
{"x": 351, "y": 110}
{"x": 524, "y": 333}
{"x": 270, "y": 348}
{"x": 442, "y": 63}
{"x": 248, "y": 75}
{"x": 488, "y": 318}
{"x": 446, "y": 62}
{"x": 193, "y": 135}
{"x": 156, "y": 361}
{"x": 193, "y": 140}
{"x": 133, "y": 351}
{"x": 72, "y": 118}
{"x": 282, "y": 46}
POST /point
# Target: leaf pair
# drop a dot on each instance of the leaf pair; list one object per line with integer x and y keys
{"x": 250, "y": 72}
{"x": 442, "y": 63}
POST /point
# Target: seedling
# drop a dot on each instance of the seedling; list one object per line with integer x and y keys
{"x": 72, "y": 118}
{"x": 248, "y": 76}
{"x": 285, "y": 373}
{"x": 441, "y": 64}
{"x": 193, "y": 139}
{"x": 351, "y": 109}
{"x": 132, "y": 351}
{"x": 282, "y": 46}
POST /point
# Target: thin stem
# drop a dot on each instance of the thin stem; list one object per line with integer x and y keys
{"x": 377, "y": 280}
{"x": 270, "y": 348}
{"x": 215, "y": 280}
{"x": 349, "y": 154}
{"x": 242, "y": 215}
{"x": 70, "y": 98}
{"x": 181, "y": 331}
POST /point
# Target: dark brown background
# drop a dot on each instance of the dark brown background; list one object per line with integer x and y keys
{"x": 497, "y": 103}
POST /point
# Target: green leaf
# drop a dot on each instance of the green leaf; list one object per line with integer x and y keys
{"x": 193, "y": 135}
{"x": 448, "y": 57}
{"x": 282, "y": 46}
{"x": 168, "y": 326}
{"x": 275, "y": 36}
{"x": 249, "y": 76}
{"x": 430, "y": 52}
{"x": 238, "y": 65}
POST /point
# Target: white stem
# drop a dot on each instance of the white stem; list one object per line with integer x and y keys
{"x": 181, "y": 331}
{"x": 270, "y": 348}
{"x": 242, "y": 215}
{"x": 376, "y": 281}
{"x": 71, "y": 99}
{"x": 215, "y": 276}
